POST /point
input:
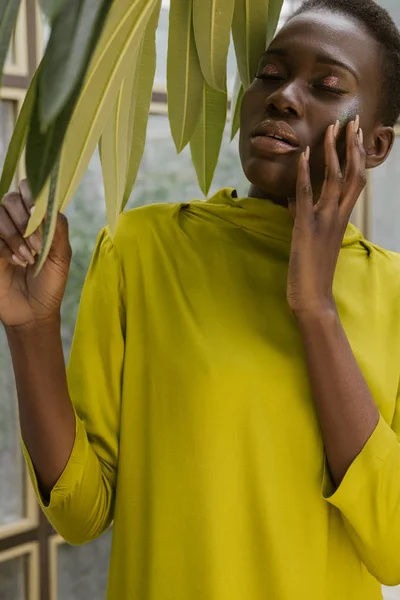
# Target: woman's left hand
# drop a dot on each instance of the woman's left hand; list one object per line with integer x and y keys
{"x": 319, "y": 229}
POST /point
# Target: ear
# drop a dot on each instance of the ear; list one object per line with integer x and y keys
{"x": 379, "y": 146}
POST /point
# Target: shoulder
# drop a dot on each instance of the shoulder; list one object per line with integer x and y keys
{"x": 143, "y": 226}
{"x": 385, "y": 262}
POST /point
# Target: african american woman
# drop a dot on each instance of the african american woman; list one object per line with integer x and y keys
{"x": 232, "y": 400}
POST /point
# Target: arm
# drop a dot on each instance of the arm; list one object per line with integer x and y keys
{"x": 346, "y": 409}
{"x": 46, "y": 414}
{"x": 82, "y": 478}
{"x": 363, "y": 451}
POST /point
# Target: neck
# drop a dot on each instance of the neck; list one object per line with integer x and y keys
{"x": 255, "y": 192}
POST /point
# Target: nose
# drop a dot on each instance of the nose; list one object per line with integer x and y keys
{"x": 286, "y": 100}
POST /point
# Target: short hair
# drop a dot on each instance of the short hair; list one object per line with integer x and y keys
{"x": 381, "y": 26}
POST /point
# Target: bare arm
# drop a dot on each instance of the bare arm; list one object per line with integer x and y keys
{"x": 46, "y": 414}
{"x": 346, "y": 409}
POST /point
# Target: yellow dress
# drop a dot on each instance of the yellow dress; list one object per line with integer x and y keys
{"x": 196, "y": 429}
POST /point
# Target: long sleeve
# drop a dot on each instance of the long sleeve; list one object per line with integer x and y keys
{"x": 369, "y": 501}
{"x": 82, "y": 501}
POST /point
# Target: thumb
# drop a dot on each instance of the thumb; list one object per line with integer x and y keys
{"x": 60, "y": 248}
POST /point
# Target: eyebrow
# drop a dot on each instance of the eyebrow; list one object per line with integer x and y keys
{"x": 321, "y": 58}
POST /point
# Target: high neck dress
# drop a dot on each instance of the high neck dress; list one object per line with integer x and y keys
{"x": 196, "y": 429}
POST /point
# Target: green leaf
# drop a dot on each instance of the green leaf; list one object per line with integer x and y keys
{"x": 40, "y": 210}
{"x": 184, "y": 76}
{"x": 249, "y": 32}
{"x": 43, "y": 147}
{"x": 140, "y": 103}
{"x": 123, "y": 139}
{"x": 206, "y": 142}
{"x": 212, "y": 20}
{"x": 110, "y": 65}
{"x": 51, "y": 219}
{"x": 51, "y": 8}
{"x": 236, "y": 106}
{"x": 18, "y": 140}
{"x": 274, "y": 12}
{"x": 68, "y": 54}
{"x": 8, "y": 17}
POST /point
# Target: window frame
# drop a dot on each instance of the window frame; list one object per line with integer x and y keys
{"x": 31, "y": 550}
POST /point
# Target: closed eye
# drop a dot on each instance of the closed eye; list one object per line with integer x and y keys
{"x": 270, "y": 77}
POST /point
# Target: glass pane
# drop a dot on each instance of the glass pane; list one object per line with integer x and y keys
{"x": 11, "y": 468}
{"x": 385, "y": 203}
{"x": 7, "y": 120}
{"x": 11, "y": 465}
{"x": 83, "y": 571}
{"x": 13, "y": 579}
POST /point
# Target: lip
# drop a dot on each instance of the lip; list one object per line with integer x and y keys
{"x": 268, "y": 129}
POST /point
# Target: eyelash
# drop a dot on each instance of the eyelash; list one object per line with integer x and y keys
{"x": 325, "y": 88}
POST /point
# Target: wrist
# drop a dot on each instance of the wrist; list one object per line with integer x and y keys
{"x": 321, "y": 315}
{"x": 34, "y": 328}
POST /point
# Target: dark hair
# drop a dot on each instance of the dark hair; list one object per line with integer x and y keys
{"x": 381, "y": 26}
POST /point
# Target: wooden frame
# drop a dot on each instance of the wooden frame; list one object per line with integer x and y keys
{"x": 30, "y": 550}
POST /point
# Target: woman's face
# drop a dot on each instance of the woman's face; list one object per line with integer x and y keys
{"x": 319, "y": 68}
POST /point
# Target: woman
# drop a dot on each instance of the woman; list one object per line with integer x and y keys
{"x": 232, "y": 392}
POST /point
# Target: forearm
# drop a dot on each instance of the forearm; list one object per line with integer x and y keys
{"x": 46, "y": 413}
{"x": 346, "y": 409}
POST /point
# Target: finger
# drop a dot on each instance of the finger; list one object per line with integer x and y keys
{"x": 17, "y": 211}
{"x": 7, "y": 256}
{"x": 355, "y": 177}
{"x": 304, "y": 194}
{"x": 12, "y": 237}
{"x": 61, "y": 248}
{"x": 332, "y": 187}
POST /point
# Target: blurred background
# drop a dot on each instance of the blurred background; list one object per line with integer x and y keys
{"x": 34, "y": 562}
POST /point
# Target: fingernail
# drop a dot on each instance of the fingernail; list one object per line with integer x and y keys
{"x": 361, "y": 136}
{"x": 336, "y": 129}
{"x": 35, "y": 242}
{"x": 307, "y": 153}
{"x": 26, "y": 255}
{"x": 32, "y": 210}
{"x": 357, "y": 124}
{"x": 18, "y": 261}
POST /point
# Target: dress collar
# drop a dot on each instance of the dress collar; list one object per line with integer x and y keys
{"x": 262, "y": 216}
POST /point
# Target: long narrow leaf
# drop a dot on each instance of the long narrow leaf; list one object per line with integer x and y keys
{"x": 249, "y": 31}
{"x": 206, "y": 142}
{"x": 184, "y": 76}
{"x": 18, "y": 140}
{"x": 51, "y": 218}
{"x": 43, "y": 147}
{"x": 274, "y": 12}
{"x": 40, "y": 210}
{"x": 140, "y": 103}
{"x": 123, "y": 33}
{"x": 52, "y": 8}
{"x": 68, "y": 53}
{"x": 236, "y": 106}
{"x": 8, "y": 17}
{"x": 113, "y": 148}
{"x": 212, "y": 21}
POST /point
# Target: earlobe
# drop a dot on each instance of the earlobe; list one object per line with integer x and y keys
{"x": 379, "y": 150}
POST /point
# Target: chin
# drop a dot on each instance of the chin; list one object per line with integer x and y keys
{"x": 271, "y": 177}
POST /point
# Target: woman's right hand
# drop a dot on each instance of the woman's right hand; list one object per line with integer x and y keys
{"x": 26, "y": 300}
